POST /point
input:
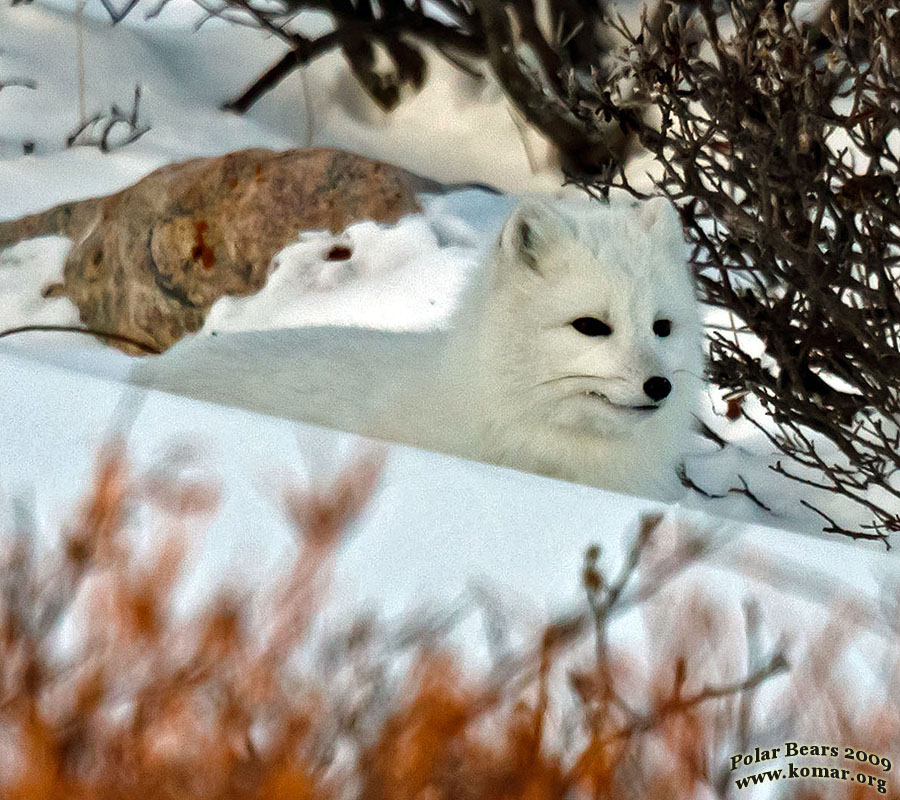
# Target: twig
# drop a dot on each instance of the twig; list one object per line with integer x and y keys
{"x": 79, "y": 49}
{"x": 108, "y": 335}
{"x": 709, "y": 433}
{"x": 86, "y": 133}
{"x": 743, "y": 489}
{"x": 677, "y": 704}
{"x": 522, "y": 130}
{"x": 117, "y": 15}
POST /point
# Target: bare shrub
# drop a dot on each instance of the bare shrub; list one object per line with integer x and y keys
{"x": 780, "y": 144}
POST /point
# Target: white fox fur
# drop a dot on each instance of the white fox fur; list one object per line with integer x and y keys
{"x": 512, "y": 381}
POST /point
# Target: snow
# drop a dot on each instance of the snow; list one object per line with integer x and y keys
{"x": 437, "y": 525}
{"x": 402, "y": 277}
{"x": 25, "y": 269}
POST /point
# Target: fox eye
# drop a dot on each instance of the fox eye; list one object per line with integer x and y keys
{"x": 591, "y": 326}
{"x": 662, "y": 327}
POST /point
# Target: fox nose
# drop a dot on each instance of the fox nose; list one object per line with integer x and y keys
{"x": 657, "y": 388}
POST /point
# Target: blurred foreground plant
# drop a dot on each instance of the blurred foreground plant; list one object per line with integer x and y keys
{"x": 109, "y": 692}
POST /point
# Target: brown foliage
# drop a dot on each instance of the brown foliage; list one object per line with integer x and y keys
{"x": 145, "y": 701}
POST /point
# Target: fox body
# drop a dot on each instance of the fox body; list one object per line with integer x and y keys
{"x": 575, "y": 352}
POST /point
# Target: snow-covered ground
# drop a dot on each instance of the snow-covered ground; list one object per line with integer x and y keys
{"x": 437, "y": 523}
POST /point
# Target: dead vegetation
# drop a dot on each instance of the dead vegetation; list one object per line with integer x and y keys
{"x": 109, "y": 691}
{"x": 780, "y": 144}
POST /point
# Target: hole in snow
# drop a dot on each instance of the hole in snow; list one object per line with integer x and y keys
{"x": 339, "y": 252}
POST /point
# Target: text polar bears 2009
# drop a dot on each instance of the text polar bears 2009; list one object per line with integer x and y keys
{"x": 812, "y": 770}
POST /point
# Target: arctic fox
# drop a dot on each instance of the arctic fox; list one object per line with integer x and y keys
{"x": 575, "y": 353}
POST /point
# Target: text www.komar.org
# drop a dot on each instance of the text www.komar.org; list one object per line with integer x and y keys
{"x": 807, "y": 771}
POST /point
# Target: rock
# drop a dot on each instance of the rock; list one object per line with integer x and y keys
{"x": 149, "y": 261}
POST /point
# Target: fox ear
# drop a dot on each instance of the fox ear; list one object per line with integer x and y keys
{"x": 661, "y": 221}
{"x": 534, "y": 228}
{"x": 661, "y": 217}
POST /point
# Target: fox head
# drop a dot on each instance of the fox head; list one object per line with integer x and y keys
{"x": 590, "y": 321}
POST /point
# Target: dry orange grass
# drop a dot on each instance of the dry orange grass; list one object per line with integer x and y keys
{"x": 149, "y": 705}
